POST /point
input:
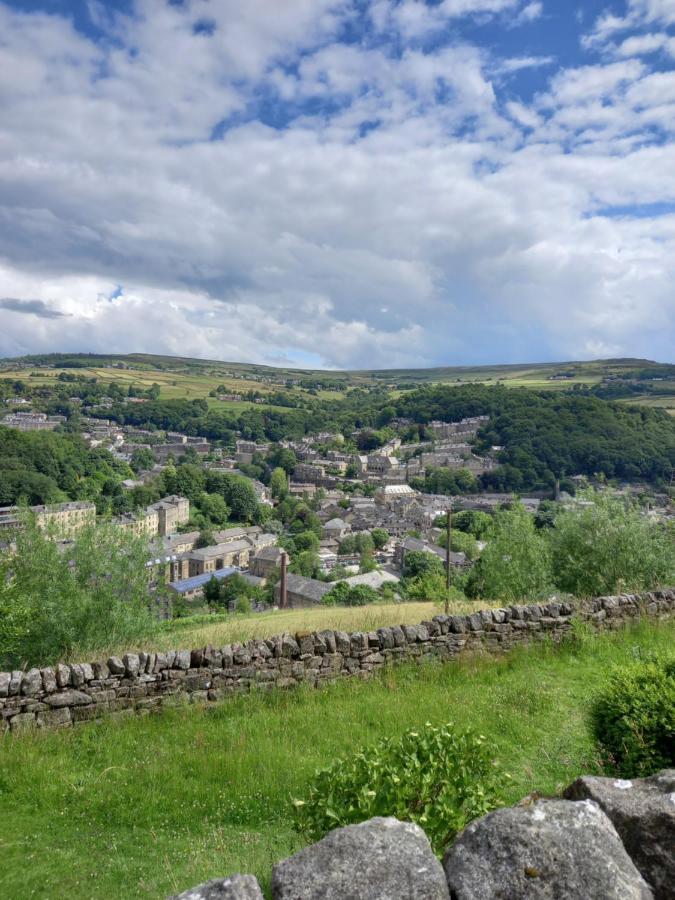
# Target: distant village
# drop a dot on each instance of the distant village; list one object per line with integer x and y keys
{"x": 351, "y": 493}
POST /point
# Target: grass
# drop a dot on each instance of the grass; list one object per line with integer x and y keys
{"x": 220, "y": 630}
{"x": 153, "y": 805}
{"x": 192, "y": 379}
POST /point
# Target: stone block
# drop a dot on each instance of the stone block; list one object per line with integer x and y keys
{"x": 23, "y": 722}
{"x": 49, "y": 684}
{"x": 547, "y": 849}
{"x": 116, "y": 666}
{"x": 54, "y": 718}
{"x": 382, "y": 859}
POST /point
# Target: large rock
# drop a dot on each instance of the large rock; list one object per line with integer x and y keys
{"x": 545, "y": 851}
{"x": 236, "y": 887}
{"x": 382, "y": 859}
{"x": 643, "y": 813}
{"x": 68, "y": 698}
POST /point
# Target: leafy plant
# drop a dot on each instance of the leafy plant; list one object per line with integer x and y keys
{"x": 437, "y": 776}
{"x": 607, "y": 545}
{"x": 633, "y": 718}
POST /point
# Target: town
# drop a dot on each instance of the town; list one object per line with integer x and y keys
{"x": 367, "y": 499}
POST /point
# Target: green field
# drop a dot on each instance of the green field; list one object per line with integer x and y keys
{"x": 193, "y": 379}
{"x": 150, "y": 806}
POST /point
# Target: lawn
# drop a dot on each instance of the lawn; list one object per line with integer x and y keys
{"x": 150, "y": 806}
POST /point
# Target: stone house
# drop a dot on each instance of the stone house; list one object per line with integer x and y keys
{"x": 415, "y": 545}
{"x": 266, "y": 561}
{"x": 302, "y": 592}
{"x": 336, "y": 529}
{"x": 171, "y": 511}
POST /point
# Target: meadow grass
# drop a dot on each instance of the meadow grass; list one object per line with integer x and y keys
{"x": 150, "y": 806}
{"x": 218, "y": 630}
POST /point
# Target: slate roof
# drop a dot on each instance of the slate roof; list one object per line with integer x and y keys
{"x": 197, "y": 581}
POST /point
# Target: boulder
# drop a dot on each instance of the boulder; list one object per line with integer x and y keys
{"x": 236, "y": 887}
{"x": 549, "y": 849}
{"x": 382, "y": 859}
{"x": 643, "y": 813}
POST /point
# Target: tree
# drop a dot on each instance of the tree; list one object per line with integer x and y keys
{"x": 241, "y": 499}
{"x": 206, "y": 539}
{"x": 348, "y": 545}
{"x": 283, "y": 458}
{"x": 54, "y": 603}
{"x": 141, "y": 459}
{"x": 366, "y": 563}
{"x": 343, "y": 594}
{"x": 279, "y": 483}
{"x": 380, "y": 537}
{"x": 306, "y": 540}
{"x": 212, "y": 593}
{"x": 515, "y": 565}
{"x": 420, "y": 563}
{"x": 472, "y": 521}
{"x": 364, "y": 543}
{"x": 214, "y": 508}
{"x": 461, "y": 543}
{"x": 305, "y": 563}
{"x": 428, "y": 587}
{"x": 607, "y": 545}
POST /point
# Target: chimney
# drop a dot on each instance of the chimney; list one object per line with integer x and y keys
{"x": 283, "y": 587}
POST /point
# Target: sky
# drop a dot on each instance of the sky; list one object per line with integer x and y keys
{"x": 338, "y": 183}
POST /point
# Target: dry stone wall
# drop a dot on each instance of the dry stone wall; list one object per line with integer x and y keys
{"x": 139, "y": 682}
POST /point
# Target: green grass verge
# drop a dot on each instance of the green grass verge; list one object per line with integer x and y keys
{"x": 154, "y": 805}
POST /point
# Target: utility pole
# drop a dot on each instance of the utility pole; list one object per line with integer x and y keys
{"x": 448, "y": 533}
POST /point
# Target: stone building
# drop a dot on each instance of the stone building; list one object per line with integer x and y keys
{"x": 31, "y": 421}
{"x": 171, "y": 512}
{"x": 302, "y": 592}
{"x": 64, "y": 519}
{"x": 266, "y": 561}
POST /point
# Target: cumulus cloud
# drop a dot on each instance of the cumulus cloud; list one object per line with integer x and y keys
{"x": 316, "y": 180}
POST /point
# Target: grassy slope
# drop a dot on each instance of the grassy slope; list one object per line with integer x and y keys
{"x": 227, "y": 629}
{"x": 193, "y": 379}
{"x": 154, "y": 805}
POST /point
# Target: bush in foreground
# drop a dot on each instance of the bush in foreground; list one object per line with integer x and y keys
{"x": 633, "y": 718}
{"x": 437, "y": 776}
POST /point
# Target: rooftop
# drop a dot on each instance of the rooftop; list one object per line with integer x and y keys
{"x": 197, "y": 581}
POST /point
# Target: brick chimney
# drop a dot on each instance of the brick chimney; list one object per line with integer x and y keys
{"x": 283, "y": 584}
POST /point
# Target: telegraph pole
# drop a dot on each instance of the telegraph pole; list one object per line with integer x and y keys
{"x": 448, "y": 533}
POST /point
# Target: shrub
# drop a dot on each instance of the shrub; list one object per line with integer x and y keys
{"x": 633, "y": 718}
{"x": 436, "y": 776}
{"x": 344, "y": 594}
{"x": 243, "y": 605}
{"x": 609, "y": 546}
{"x": 92, "y": 593}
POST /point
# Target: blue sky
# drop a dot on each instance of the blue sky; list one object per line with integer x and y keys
{"x": 338, "y": 183}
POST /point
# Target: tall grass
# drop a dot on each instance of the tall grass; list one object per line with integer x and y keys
{"x": 220, "y": 630}
{"x": 149, "y": 806}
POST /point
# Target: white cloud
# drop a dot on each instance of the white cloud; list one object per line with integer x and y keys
{"x": 517, "y": 63}
{"x": 529, "y": 13}
{"x": 644, "y": 44}
{"x": 409, "y": 210}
